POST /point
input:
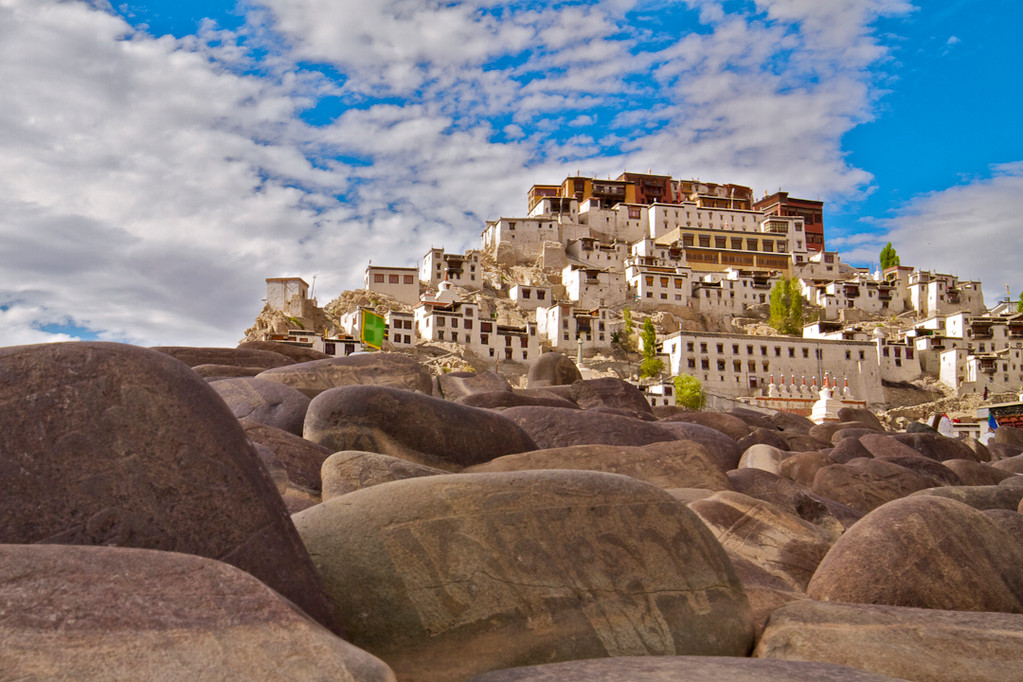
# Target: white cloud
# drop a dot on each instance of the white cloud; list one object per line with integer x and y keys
{"x": 148, "y": 186}
{"x": 970, "y": 230}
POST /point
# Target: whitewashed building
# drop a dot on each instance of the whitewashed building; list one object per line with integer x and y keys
{"x": 401, "y": 284}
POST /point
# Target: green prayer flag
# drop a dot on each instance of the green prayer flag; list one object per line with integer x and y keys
{"x": 374, "y": 329}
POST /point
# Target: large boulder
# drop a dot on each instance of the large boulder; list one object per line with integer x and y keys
{"x": 523, "y": 568}
{"x": 802, "y": 467}
{"x": 1012, "y": 465}
{"x": 296, "y": 353}
{"x": 552, "y": 369}
{"x": 762, "y": 456}
{"x": 976, "y": 473}
{"x": 231, "y": 357}
{"x": 728, "y": 424}
{"x": 825, "y": 432}
{"x": 557, "y": 427}
{"x": 412, "y": 426}
{"x": 861, "y": 415}
{"x": 939, "y": 474}
{"x": 936, "y": 446}
{"x": 725, "y": 449}
{"x": 866, "y": 484}
{"x": 300, "y": 458}
{"x": 783, "y": 544}
{"x": 114, "y": 613}
{"x": 795, "y": 499}
{"x": 792, "y": 423}
{"x": 350, "y": 470}
{"x": 773, "y": 437}
{"x": 927, "y": 645}
{"x": 926, "y": 552}
{"x": 671, "y": 464}
{"x": 108, "y": 444}
{"x": 266, "y": 402}
{"x": 458, "y": 385}
{"x": 497, "y": 400}
{"x": 981, "y": 496}
{"x": 609, "y": 392}
{"x": 676, "y": 668}
{"x": 392, "y": 370}
{"x": 847, "y": 450}
{"x": 1008, "y": 435}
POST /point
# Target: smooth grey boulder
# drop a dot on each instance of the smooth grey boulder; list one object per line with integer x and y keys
{"x": 557, "y": 427}
{"x": 552, "y": 369}
{"x": 678, "y": 668}
{"x": 350, "y": 470}
{"x": 392, "y": 370}
{"x": 523, "y": 568}
{"x": 926, "y": 645}
{"x": 110, "y": 444}
{"x": 412, "y": 426}
{"x": 266, "y": 402}
{"x": 114, "y": 613}
{"x": 671, "y": 464}
{"x": 924, "y": 551}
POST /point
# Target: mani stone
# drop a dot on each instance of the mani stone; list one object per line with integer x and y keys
{"x": 725, "y": 449}
{"x": 976, "y": 473}
{"x": 865, "y": 484}
{"x": 926, "y": 645}
{"x": 763, "y": 457}
{"x": 671, "y": 464}
{"x": 457, "y": 385}
{"x": 936, "y": 446}
{"x": 924, "y": 551}
{"x": 679, "y": 668}
{"x": 266, "y": 402}
{"x": 802, "y": 467}
{"x": 728, "y": 424}
{"x": 106, "y": 613}
{"x": 981, "y": 496}
{"x": 448, "y": 576}
{"x": 350, "y": 470}
{"x": 609, "y": 392}
{"x": 552, "y": 369}
{"x": 794, "y": 498}
{"x": 300, "y": 458}
{"x": 762, "y": 436}
{"x": 497, "y": 400}
{"x": 413, "y": 426}
{"x": 296, "y": 353}
{"x": 862, "y": 415}
{"x": 782, "y": 544}
{"x": 557, "y": 427}
{"x": 392, "y": 370}
{"x": 110, "y": 444}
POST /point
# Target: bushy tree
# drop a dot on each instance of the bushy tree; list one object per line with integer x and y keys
{"x": 888, "y": 256}
{"x": 625, "y": 335}
{"x": 651, "y": 365}
{"x": 1019, "y": 306}
{"x": 787, "y": 307}
{"x": 689, "y": 392}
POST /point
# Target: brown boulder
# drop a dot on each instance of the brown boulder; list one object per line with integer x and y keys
{"x": 865, "y": 484}
{"x": 458, "y": 385}
{"x": 847, "y": 450}
{"x": 413, "y": 426}
{"x": 730, "y": 425}
{"x": 724, "y": 449}
{"x": 796, "y": 499}
{"x": 926, "y": 645}
{"x": 802, "y": 467}
{"x": 936, "y": 446}
{"x": 861, "y": 415}
{"x": 265, "y": 402}
{"x": 350, "y": 470}
{"x": 523, "y": 568}
{"x": 761, "y": 436}
{"x": 300, "y": 458}
{"x": 753, "y": 419}
{"x": 825, "y": 432}
{"x": 211, "y": 372}
{"x": 981, "y": 497}
{"x": 1008, "y": 435}
{"x": 114, "y": 613}
{"x": 784, "y": 545}
{"x": 928, "y": 552}
{"x": 1000, "y": 451}
{"x": 676, "y": 668}
{"x": 233, "y": 357}
{"x": 392, "y": 370}
{"x": 975, "y": 473}
{"x": 609, "y": 392}
{"x": 792, "y": 423}
{"x": 671, "y": 464}
{"x": 516, "y": 398}
{"x": 109, "y": 444}
{"x": 1012, "y": 465}
{"x": 762, "y": 456}
{"x": 552, "y": 369}
{"x": 296, "y": 353}
{"x": 936, "y": 471}
{"x": 557, "y": 427}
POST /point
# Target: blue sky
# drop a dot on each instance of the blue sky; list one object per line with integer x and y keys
{"x": 159, "y": 160}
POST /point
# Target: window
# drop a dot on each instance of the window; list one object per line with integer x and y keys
{"x": 484, "y": 339}
{"x": 737, "y": 243}
{"x": 692, "y": 363}
{"x": 737, "y": 366}
{"x": 409, "y": 279}
{"x": 735, "y": 349}
{"x": 440, "y": 336}
{"x": 378, "y": 279}
{"x": 440, "y": 322}
{"x": 806, "y": 352}
{"x": 749, "y": 350}
{"x": 540, "y": 295}
{"x": 507, "y": 341}
{"x": 703, "y": 348}
{"x": 721, "y": 348}
{"x": 704, "y": 363}
{"x": 862, "y": 356}
{"x": 763, "y": 350}
{"x": 392, "y": 279}
{"x": 752, "y": 365}
{"x": 705, "y": 241}
{"x": 689, "y": 346}
{"x": 721, "y": 365}
{"x": 526, "y": 293}
{"x": 486, "y": 326}
{"x": 454, "y": 336}
{"x": 664, "y": 282}
{"x": 719, "y": 242}
{"x": 467, "y": 324}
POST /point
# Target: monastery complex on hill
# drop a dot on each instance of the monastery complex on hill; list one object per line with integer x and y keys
{"x": 695, "y": 256}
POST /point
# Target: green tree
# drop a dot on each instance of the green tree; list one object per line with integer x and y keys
{"x": 1019, "y": 306}
{"x": 888, "y": 256}
{"x": 625, "y": 336}
{"x": 689, "y": 392}
{"x": 787, "y": 307}
{"x": 651, "y": 365}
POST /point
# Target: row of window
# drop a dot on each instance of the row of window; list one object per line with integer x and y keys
{"x": 818, "y": 353}
{"x": 394, "y": 279}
